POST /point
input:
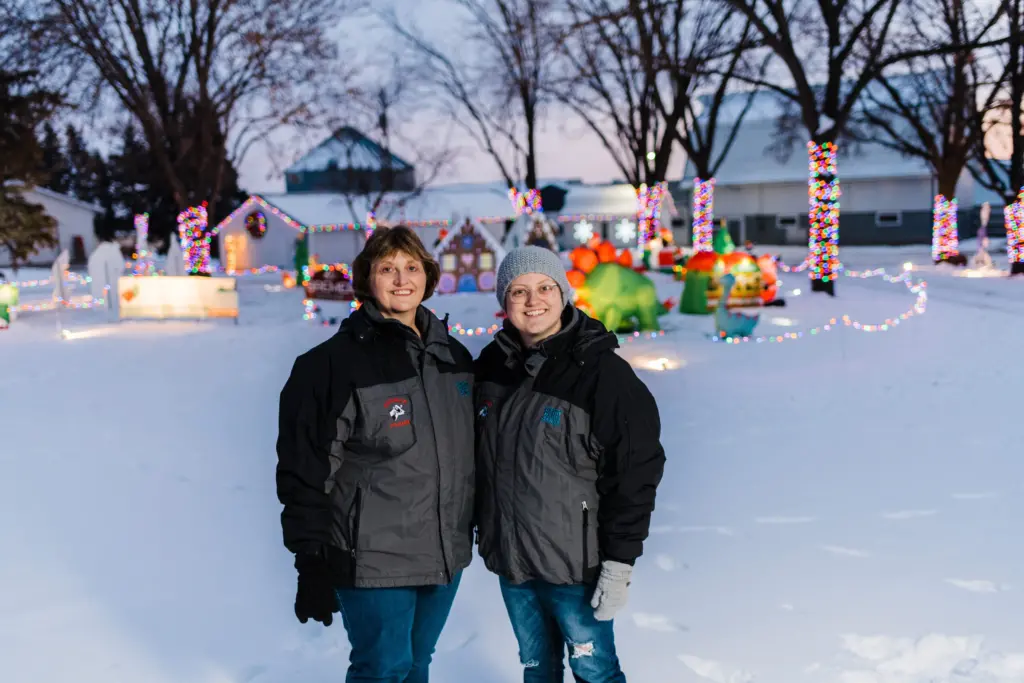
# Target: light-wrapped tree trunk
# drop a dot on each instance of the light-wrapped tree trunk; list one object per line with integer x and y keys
{"x": 823, "y": 238}
{"x": 703, "y": 214}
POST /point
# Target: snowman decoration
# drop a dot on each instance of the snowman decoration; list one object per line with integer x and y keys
{"x": 982, "y": 260}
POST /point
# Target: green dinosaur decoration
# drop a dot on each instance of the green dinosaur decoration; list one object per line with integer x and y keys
{"x": 621, "y": 298}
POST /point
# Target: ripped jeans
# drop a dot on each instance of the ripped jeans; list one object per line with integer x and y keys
{"x": 546, "y": 619}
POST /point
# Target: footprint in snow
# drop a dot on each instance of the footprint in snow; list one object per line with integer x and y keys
{"x": 909, "y": 514}
{"x": 844, "y": 551}
{"x": 784, "y": 520}
{"x": 657, "y": 622}
{"x": 978, "y": 585}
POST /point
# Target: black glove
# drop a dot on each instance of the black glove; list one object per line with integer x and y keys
{"x": 315, "y": 598}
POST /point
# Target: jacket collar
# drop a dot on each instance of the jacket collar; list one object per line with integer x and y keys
{"x": 579, "y": 337}
{"x": 368, "y": 324}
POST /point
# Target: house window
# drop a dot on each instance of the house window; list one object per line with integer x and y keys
{"x": 786, "y": 222}
{"x": 486, "y": 260}
{"x": 888, "y": 219}
{"x": 448, "y": 263}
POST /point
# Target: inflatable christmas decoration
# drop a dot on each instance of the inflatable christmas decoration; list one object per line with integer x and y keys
{"x": 755, "y": 280}
{"x": 729, "y": 323}
{"x": 608, "y": 289}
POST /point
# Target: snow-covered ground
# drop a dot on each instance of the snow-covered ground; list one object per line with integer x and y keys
{"x": 842, "y": 507}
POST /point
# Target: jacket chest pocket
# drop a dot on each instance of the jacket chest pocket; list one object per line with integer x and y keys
{"x": 387, "y": 421}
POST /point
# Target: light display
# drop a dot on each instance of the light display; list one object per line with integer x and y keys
{"x": 256, "y": 224}
{"x": 195, "y": 240}
{"x": 583, "y": 231}
{"x": 528, "y": 202}
{"x": 920, "y": 305}
{"x": 625, "y": 230}
{"x": 231, "y": 247}
{"x": 649, "y": 199}
{"x": 703, "y": 214}
{"x": 824, "y": 193}
{"x": 1013, "y": 217}
{"x": 945, "y": 240}
{"x": 143, "y": 261}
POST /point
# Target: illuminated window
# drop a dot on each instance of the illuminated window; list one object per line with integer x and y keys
{"x": 448, "y": 262}
{"x": 486, "y": 260}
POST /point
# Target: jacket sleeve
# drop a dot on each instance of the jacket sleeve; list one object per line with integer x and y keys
{"x": 309, "y": 451}
{"x": 625, "y": 422}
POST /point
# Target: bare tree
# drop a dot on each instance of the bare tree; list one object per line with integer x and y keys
{"x": 496, "y": 95}
{"x": 1006, "y": 113}
{"x": 205, "y": 79}
{"x": 928, "y": 105}
{"x": 846, "y": 43}
{"x": 385, "y": 190}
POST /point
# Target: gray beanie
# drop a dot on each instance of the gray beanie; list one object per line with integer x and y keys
{"x": 523, "y": 260}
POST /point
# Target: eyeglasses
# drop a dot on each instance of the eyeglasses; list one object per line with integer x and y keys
{"x": 520, "y": 295}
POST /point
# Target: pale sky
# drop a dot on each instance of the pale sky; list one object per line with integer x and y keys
{"x": 567, "y": 147}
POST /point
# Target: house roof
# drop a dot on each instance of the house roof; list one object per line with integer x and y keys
{"x": 347, "y": 148}
{"x": 488, "y": 202}
{"x": 57, "y": 196}
{"x": 499, "y": 251}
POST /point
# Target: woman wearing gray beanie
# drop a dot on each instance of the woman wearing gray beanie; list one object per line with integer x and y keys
{"x": 568, "y": 462}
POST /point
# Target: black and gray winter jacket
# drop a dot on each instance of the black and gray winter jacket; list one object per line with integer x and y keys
{"x": 375, "y": 453}
{"x": 568, "y": 454}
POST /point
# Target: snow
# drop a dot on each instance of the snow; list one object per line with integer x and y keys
{"x": 839, "y": 508}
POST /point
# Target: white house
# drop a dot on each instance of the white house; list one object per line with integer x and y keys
{"x": 74, "y": 227}
{"x": 886, "y": 198}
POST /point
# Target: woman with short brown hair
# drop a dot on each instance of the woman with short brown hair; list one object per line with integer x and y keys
{"x": 376, "y": 469}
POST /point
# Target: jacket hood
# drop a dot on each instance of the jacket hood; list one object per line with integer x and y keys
{"x": 580, "y": 337}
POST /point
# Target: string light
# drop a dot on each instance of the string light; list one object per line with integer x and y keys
{"x": 528, "y": 202}
{"x": 195, "y": 241}
{"x": 1013, "y": 217}
{"x": 823, "y": 240}
{"x": 649, "y": 199}
{"x": 256, "y": 224}
{"x": 919, "y": 307}
{"x": 594, "y": 217}
{"x": 945, "y": 238}
{"x": 703, "y": 214}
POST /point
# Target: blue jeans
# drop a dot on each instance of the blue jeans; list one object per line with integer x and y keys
{"x": 545, "y": 618}
{"x": 393, "y": 631}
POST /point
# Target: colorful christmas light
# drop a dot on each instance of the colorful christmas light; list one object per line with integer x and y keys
{"x": 945, "y": 237}
{"x": 1013, "y": 217}
{"x": 143, "y": 258}
{"x": 195, "y": 240}
{"x": 525, "y": 202}
{"x": 920, "y": 305}
{"x": 703, "y": 214}
{"x": 649, "y": 199}
{"x": 256, "y": 224}
{"x": 824, "y": 193}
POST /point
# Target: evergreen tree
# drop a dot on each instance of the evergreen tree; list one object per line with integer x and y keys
{"x": 55, "y": 165}
{"x": 24, "y": 227}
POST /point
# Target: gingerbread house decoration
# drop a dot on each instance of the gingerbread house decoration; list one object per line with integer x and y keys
{"x": 469, "y": 258}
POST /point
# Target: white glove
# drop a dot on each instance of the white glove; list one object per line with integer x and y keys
{"x": 612, "y": 590}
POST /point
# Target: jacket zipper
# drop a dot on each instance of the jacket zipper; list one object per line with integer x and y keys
{"x": 586, "y": 533}
{"x": 446, "y": 573}
{"x": 355, "y": 530}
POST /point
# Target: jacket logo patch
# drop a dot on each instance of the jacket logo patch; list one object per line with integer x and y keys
{"x": 485, "y": 408}
{"x": 463, "y": 388}
{"x": 397, "y": 411}
{"x": 552, "y": 416}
